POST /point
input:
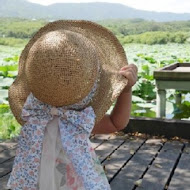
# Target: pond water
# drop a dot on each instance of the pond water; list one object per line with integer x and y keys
{"x": 147, "y": 58}
{"x": 151, "y": 57}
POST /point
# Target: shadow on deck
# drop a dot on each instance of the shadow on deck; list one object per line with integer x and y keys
{"x": 130, "y": 162}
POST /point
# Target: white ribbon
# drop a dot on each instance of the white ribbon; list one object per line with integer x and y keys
{"x": 75, "y": 129}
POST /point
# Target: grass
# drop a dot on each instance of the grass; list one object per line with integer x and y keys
{"x": 9, "y": 127}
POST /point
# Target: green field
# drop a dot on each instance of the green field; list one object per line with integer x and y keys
{"x": 151, "y": 57}
{"x": 146, "y": 57}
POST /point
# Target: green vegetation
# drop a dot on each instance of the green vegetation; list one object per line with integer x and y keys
{"x": 146, "y": 57}
{"x": 19, "y": 28}
{"x": 156, "y": 38}
{"x": 139, "y": 26}
{"x": 151, "y": 57}
{"x": 149, "y": 32}
{"x": 16, "y": 42}
{"x": 9, "y": 127}
{"x": 16, "y": 32}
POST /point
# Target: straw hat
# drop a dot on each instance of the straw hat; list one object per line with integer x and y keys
{"x": 61, "y": 63}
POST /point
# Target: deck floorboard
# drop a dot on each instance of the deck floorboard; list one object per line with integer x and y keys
{"x": 130, "y": 163}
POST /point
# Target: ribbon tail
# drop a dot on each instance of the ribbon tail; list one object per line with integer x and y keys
{"x": 26, "y": 165}
{"x": 48, "y": 158}
{"x": 79, "y": 150}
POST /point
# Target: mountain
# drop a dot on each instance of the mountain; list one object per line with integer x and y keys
{"x": 87, "y": 11}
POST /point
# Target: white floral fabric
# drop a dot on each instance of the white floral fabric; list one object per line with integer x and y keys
{"x": 76, "y": 160}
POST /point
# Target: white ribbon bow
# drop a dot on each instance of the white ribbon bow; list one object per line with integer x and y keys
{"x": 75, "y": 128}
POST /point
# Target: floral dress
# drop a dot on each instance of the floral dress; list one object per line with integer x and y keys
{"x": 54, "y": 151}
{"x": 54, "y": 159}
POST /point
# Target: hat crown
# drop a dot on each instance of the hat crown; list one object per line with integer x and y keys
{"x": 61, "y": 67}
{"x": 105, "y": 49}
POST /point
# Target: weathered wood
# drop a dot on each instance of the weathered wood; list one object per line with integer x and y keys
{"x": 135, "y": 168}
{"x": 113, "y": 163}
{"x": 97, "y": 140}
{"x": 6, "y": 167}
{"x": 177, "y": 85}
{"x": 181, "y": 177}
{"x": 161, "y": 103}
{"x": 174, "y": 72}
{"x": 7, "y": 154}
{"x": 159, "y": 172}
{"x": 107, "y": 148}
{"x": 100, "y": 137}
{"x": 8, "y": 144}
{"x": 170, "y": 67}
{"x": 156, "y": 126}
{"x": 175, "y": 76}
{"x": 3, "y": 182}
{"x": 128, "y": 159}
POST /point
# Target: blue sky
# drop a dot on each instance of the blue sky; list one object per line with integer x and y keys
{"x": 178, "y": 6}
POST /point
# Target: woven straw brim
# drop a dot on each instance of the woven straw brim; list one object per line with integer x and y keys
{"x": 112, "y": 58}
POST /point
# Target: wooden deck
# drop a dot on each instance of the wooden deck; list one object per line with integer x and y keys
{"x": 130, "y": 162}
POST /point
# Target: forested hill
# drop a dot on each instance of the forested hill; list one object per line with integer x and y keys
{"x": 88, "y": 11}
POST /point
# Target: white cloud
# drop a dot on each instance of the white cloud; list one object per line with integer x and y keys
{"x": 178, "y": 6}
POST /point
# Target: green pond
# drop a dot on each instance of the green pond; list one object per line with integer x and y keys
{"x": 146, "y": 57}
{"x": 151, "y": 57}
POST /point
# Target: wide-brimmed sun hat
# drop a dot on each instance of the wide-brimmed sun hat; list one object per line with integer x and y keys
{"x": 61, "y": 63}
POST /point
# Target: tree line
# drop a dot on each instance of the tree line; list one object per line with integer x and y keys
{"x": 127, "y": 31}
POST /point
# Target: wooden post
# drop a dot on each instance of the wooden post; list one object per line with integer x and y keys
{"x": 178, "y": 98}
{"x": 161, "y": 103}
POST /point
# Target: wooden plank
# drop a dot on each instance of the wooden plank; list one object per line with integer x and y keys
{"x": 6, "y": 167}
{"x": 107, "y": 148}
{"x": 173, "y": 72}
{"x": 113, "y": 163}
{"x": 13, "y": 142}
{"x": 181, "y": 177}
{"x": 135, "y": 168}
{"x": 157, "y": 126}
{"x": 8, "y": 151}
{"x": 3, "y": 182}
{"x": 175, "y": 84}
{"x": 97, "y": 140}
{"x": 7, "y": 154}
{"x": 100, "y": 137}
{"x": 159, "y": 172}
{"x": 8, "y": 144}
{"x": 120, "y": 150}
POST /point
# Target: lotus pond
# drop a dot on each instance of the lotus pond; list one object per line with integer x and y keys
{"x": 146, "y": 57}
